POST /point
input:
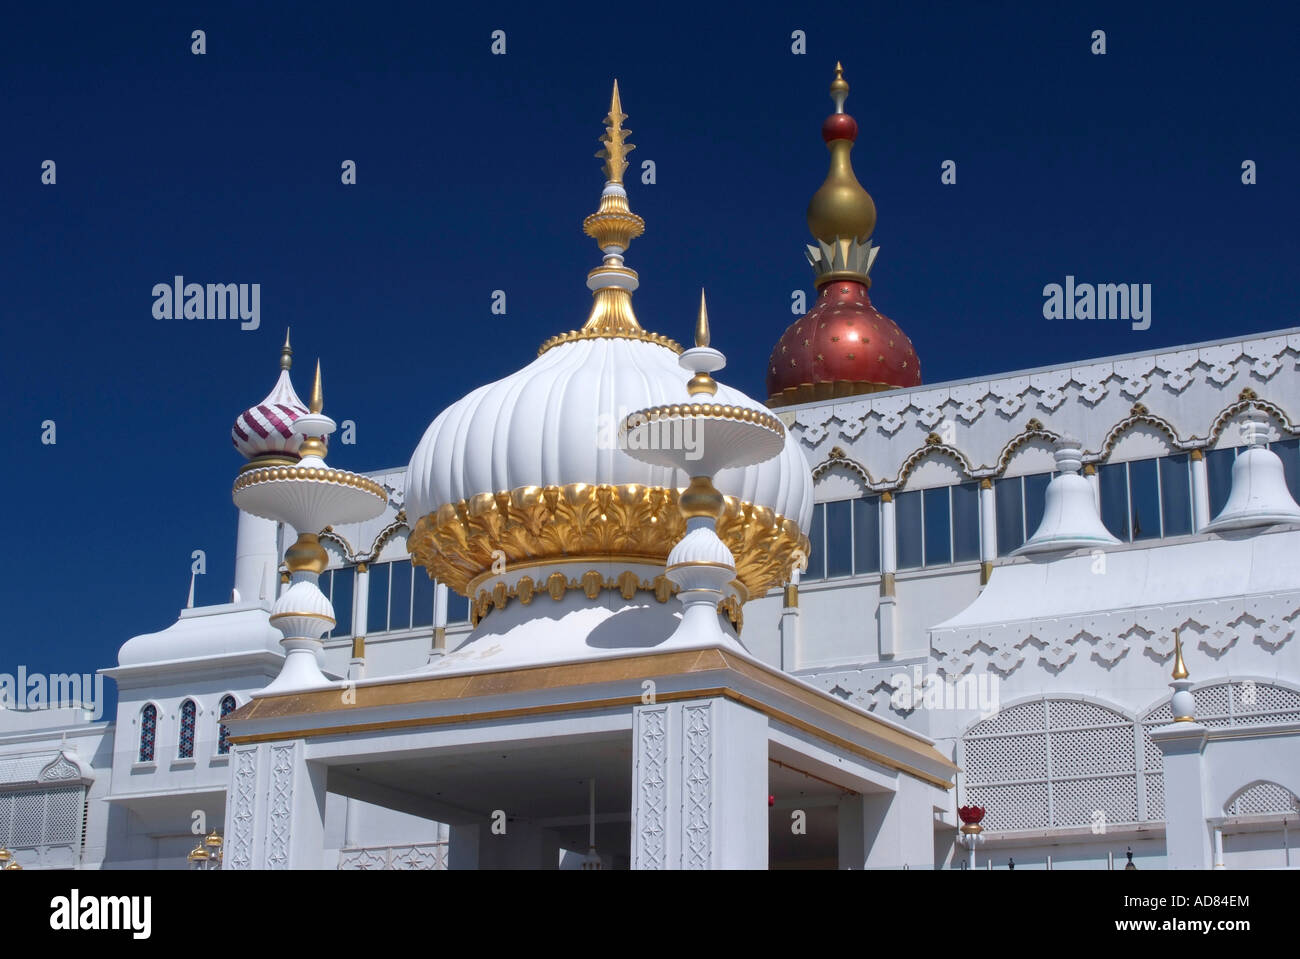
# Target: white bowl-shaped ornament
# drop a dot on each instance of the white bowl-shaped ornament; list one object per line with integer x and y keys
{"x": 702, "y": 439}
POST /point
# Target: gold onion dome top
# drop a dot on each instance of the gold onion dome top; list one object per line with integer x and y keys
{"x": 613, "y": 226}
{"x": 841, "y": 208}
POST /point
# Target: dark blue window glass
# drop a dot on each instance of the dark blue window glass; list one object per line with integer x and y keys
{"x": 422, "y": 601}
{"x": 1008, "y": 506}
{"x": 907, "y": 521}
{"x": 1113, "y": 480}
{"x": 457, "y": 607}
{"x": 938, "y": 527}
{"x": 1289, "y": 452}
{"x": 966, "y": 522}
{"x": 839, "y": 538}
{"x": 866, "y": 535}
{"x": 340, "y": 594}
{"x": 377, "y": 605}
{"x": 399, "y": 605}
{"x": 1218, "y": 470}
{"x": 816, "y": 566}
{"x": 1144, "y": 499}
{"x": 1176, "y": 494}
{"x": 1035, "y": 499}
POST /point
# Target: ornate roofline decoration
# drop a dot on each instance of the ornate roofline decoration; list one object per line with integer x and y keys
{"x": 838, "y": 457}
{"x": 1139, "y": 415}
{"x": 1034, "y": 430}
{"x": 461, "y": 540}
{"x": 933, "y": 446}
{"x": 1247, "y": 399}
{"x": 387, "y": 533}
{"x": 349, "y": 553}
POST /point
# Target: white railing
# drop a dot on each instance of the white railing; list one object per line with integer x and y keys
{"x": 419, "y": 855}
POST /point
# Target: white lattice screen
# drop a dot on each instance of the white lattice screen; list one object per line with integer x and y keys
{"x": 1066, "y": 762}
{"x": 1263, "y": 797}
{"x": 42, "y": 817}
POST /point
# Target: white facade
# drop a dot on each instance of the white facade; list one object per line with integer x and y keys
{"x": 1062, "y": 662}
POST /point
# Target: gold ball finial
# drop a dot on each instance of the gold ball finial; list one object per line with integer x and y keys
{"x": 286, "y": 352}
{"x": 317, "y": 402}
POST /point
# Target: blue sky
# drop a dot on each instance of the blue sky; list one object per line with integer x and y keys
{"x": 474, "y": 173}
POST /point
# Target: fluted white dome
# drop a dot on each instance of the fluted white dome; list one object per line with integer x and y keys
{"x": 557, "y": 421}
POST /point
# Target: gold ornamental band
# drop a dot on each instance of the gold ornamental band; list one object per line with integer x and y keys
{"x": 715, "y": 410}
{"x": 532, "y": 524}
{"x": 270, "y": 474}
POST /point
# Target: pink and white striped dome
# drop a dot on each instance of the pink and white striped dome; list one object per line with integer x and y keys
{"x": 264, "y": 432}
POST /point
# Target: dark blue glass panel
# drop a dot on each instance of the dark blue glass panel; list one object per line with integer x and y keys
{"x": 342, "y": 581}
{"x": 399, "y": 606}
{"x": 1176, "y": 494}
{"x": 966, "y": 522}
{"x": 839, "y": 538}
{"x": 1144, "y": 502}
{"x": 1113, "y": 480}
{"x": 457, "y": 608}
{"x": 866, "y": 535}
{"x": 1218, "y": 470}
{"x": 1035, "y": 499}
{"x": 1289, "y": 452}
{"x": 1009, "y": 509}
{"x": 422, "y": 604}
{"x": 907, "y": 519}
{"x": 816, "y": 565}
{"x": 938, "y": 527}
{"x": 377, "y": 604}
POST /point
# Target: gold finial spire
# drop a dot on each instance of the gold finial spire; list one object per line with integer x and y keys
{"x": 841, "y": 209}
{"x": 286, "y": 352}
{"x": 702, "y": 323}
{"x": 839, "y": 88}
{"x": 317, "y": 402}
{"x": 615, "y": 139}
{"x": 1180, "y": 667}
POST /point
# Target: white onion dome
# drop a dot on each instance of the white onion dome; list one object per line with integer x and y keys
{"x": 264, "y": 433}
{"x": 531, "y": 465}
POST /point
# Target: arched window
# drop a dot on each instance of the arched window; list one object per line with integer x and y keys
{"x": 148, "y": 732}
{"x": 223, "y": 733}
{"x": 188, "y": 711}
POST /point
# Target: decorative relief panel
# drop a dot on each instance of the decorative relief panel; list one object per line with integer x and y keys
{"x": 697, "y": 786}
{"x": 1268, "y": 622}
{"x": 651, "y": 781}
{"x": 239, "y": 842}
{"x": 280, "y": 809}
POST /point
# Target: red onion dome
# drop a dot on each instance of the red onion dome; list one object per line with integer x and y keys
{"x": 843, "y": 346}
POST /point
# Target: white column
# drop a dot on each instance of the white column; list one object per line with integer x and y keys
{"x": 360, "y": 600}
{"x": 275, "y": 818}
{"x": 988, "y": 530}
{"x": 1187, "y": 836}
{"x": 887, "y": 611}
{"x": 790, "y": 633}
{"x": 256, "y": 559}
{"x": 888, "y": 830}
{"x": 1218, "y": 848}
{"x": 699, "y": 786}
{"x": 1200, "y": 491}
